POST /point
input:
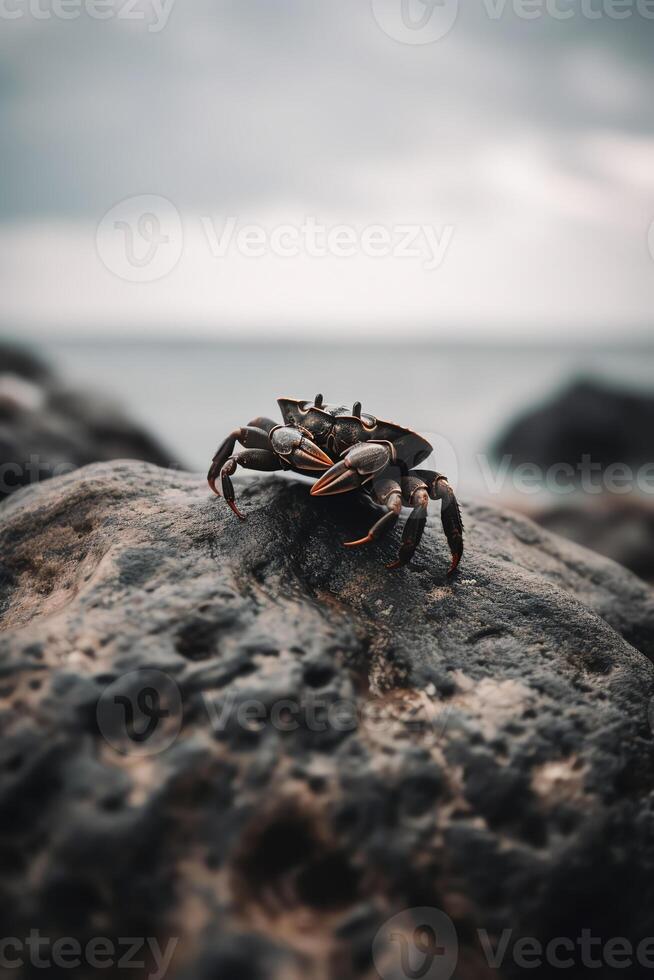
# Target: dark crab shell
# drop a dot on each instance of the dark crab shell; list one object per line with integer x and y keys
{"x": 335, "y": 429}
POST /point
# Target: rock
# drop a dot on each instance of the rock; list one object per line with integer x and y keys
{"x": 623, "y": 531}
{"x": 588, "y": 418}
{"x": 604, "y": 436}
{"x": 247, "y": 739}
{"x": 47, "y": 429}
{"x": 23, "y": 363}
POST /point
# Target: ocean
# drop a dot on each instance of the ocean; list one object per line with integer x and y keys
{"x": 192, "y": 393}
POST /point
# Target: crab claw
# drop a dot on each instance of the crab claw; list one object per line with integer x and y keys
{"x": 212, "y": 476}
{"x": 360, "y": 464}
{"x": 300, "y": 451}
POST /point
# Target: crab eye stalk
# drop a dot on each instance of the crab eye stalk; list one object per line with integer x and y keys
{"x": 363, "y": 452}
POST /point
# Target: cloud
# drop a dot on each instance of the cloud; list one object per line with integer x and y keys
{"x": 532, "y": 138}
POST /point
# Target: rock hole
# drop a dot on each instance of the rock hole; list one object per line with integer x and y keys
{"x": 329, "y": 883}
{"x": 318, "y": 675}
{"x": 419, "y": 793}
{"x": 196, "y": 639}
{"x": 487, "y": 633}
{"x": 283, "y": 845}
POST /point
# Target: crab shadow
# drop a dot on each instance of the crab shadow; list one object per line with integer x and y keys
{"x": 338, "y": 515}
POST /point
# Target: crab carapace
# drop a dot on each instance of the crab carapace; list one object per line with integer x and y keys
{"x": 351, "y": 450}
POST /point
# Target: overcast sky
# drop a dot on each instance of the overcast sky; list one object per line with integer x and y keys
{"x": 512, "y": 158}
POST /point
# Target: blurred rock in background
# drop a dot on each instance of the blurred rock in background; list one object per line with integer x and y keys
{"x": 48, "y": 428}
{"x": 623, "y": 531}
{"x": 589, "y": 417}
{"x": 605, "y": 425}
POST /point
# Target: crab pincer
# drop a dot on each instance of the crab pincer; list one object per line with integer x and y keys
{"x": 356, "y": 451}
{"x": 359, "y": 464}
{"x": 296, "y": 446}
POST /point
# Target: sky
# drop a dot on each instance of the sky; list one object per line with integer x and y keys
{"x": 357, "y": 168}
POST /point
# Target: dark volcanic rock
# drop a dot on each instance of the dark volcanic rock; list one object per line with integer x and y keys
{"x": 621, "y": 530}
{"x": 350, "y": 742}
{"x": 23, "y": 363}
{"x": 588, "y": 418}
{"x": 588, "y": 427}
{"x": 47, "y": 429}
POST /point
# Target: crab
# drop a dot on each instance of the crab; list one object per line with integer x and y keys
{"x": 352, "y": 451}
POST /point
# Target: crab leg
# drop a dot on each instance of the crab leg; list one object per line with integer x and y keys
{"x": 414, "y": 493}
{"x": 250, "y": 435}
{"x": 389, "y": 494}
{"x": 261, "y": 422}
{"x": 439, "y": 489}
{"x": 253, "y": 459}
{"x": 451, "y": 521}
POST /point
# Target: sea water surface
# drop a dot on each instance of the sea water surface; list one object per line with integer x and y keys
{"x": 192, "y": 393}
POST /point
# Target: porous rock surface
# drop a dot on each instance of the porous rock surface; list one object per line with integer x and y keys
{"x": 488, "y": 753}
{"x": 621, "y": 529}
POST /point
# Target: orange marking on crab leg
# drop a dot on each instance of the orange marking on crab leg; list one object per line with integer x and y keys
{"x": 454, "y": 565}
{"x": 356, "y": 544}
{"x": 232, "y": 504}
